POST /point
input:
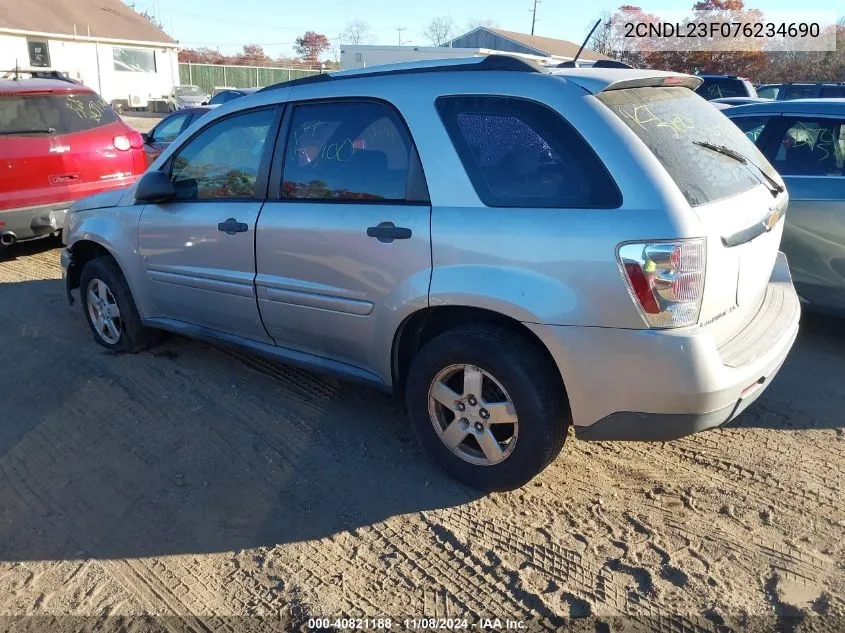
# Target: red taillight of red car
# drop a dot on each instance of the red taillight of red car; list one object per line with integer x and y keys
{"x": 125, "y": 142}
{"x": 666, "y": 280}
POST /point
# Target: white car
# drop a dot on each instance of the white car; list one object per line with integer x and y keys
{"x": 185, "y": 97}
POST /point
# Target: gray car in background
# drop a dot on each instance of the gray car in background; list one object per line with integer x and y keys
{"x": 514, "y": 250}
{"x": 805, "y": 141}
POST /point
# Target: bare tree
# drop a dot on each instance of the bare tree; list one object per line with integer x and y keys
{"x": 440, "y": 30}
{"x": 357, "y": 32}
{"x": 475, "y": 23}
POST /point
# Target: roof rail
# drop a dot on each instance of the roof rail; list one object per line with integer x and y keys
{"x": 486, "y": 63}
{"x": 15, "y": 74}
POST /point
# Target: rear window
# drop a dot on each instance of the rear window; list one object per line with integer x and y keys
{"x": 832, "y": 92}
{"x": 670, "y": 121}
{"x": 189, "y": 91}
{"x": 800, "y": 91}
{"x": 54, "y": 113}
{"x": 723, "y": 87}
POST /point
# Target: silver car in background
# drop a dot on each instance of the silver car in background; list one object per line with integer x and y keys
{"x": 804, "y": 140}
{"x": 513, "y": 250}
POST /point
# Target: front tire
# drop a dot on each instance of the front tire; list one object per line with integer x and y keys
{"x": 110, "y": 310}
{"x": 486, "y": 404}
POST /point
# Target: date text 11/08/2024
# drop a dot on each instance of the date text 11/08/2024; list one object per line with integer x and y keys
{"x": 415, "y": 624}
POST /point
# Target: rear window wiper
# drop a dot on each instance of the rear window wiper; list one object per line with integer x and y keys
{"x": 743, "y": 160}
{"x": 41, "y": 130}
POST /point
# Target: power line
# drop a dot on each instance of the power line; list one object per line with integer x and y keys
{"x": 400, "y": 29}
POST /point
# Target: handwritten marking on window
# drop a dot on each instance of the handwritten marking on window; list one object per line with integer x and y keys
{"x": 92, "y": 109}
{"x": 679, "y": 124}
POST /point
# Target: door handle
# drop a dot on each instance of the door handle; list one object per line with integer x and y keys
{"x": 232, "y": 226}
{"x": 386, "y": 232}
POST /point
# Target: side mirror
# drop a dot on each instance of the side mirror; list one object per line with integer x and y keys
{"x": 204, "y": 103}
{"x": 145, "y": 137}
{"x": 155, "y": 186}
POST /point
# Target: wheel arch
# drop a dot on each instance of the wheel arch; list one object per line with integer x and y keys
{"x": 420, "y": 327}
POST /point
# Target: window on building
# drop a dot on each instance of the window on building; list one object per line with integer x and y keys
{"x": 39, "y": 53}
{"x": 134, "y": 60}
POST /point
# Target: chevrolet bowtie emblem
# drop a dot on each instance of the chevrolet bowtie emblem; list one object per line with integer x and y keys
{"x": 772, "y": 221}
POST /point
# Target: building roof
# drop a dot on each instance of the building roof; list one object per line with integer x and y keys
{"x": 99, "y": 19}
{"x": 547, "y": 45}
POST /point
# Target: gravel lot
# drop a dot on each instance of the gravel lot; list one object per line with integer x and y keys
{"x": 196, "y": 482}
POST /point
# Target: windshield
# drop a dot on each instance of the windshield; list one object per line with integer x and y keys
{"x": 674, "y": 123}
{"x": 189, "y": 91}
{"x": 54, "y": 114}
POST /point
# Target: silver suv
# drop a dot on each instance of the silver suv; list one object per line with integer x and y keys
{"x": 515, "y": 250}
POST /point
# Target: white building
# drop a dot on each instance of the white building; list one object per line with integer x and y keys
{"x": 102, "y": 43}
{"x": 480, "y": 41}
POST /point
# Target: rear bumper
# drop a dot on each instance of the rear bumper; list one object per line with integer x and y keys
{"x": 30, "y": 222}
{"x": 657, "y": 385}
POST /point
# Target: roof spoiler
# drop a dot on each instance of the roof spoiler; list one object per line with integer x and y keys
{"x": 600, "y": 80}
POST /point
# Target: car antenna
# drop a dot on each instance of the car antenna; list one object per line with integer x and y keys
{"x": 586, "y": 39}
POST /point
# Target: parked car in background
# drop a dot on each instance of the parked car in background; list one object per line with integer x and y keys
{"x": 721, "y": 86}
{"x": 181, "y": 97}
{"x": 735, "y": 101}
{"x": 224, "y": 96}
{"x": 170, "y": 127}
{"x": 536, "y": 250}
{"x": 805, "y": 141}
{"x": 59, "y": 141}
{"x": 802, "y": 90}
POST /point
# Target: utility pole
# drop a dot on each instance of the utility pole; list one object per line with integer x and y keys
{"x": 534, "y": 15}
{"x": 400, "y": 29}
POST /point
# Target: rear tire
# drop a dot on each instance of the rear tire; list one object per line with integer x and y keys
{"x": 110, "y": 310}
{"x": 498, "y": 439}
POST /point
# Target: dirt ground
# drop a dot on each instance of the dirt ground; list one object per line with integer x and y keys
{"x": 238, "y": 494}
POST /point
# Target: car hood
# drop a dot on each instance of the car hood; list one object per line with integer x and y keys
{"x": 104, "y": 200}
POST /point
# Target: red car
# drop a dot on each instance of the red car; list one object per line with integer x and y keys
{"x": 59, "y": 141}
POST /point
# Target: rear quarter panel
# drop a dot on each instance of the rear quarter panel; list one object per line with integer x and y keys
{"x": 554, "y": 266}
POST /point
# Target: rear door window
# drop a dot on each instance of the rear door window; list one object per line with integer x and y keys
{"x": 810, "y": 147}
{"x": 672, "y": 121}
{"x": 54, "y": 113}
{"x": 519, "y": 153}
{"x": 800, "y": 91}
{"x": 719, "y": 88}
{"x": 351, "y": 151}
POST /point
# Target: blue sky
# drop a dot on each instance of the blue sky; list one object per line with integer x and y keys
{"x": 228, "y": 24}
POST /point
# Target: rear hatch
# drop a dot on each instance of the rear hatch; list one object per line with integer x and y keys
{"x": 728, "y": 184}
{"x": 57, "y": 146}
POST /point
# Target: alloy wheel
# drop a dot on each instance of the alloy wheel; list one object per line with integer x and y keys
{"x": 473, "y": 414}
{"x": 103, "y": 311}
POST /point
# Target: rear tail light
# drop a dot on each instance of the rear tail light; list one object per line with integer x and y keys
{"x": 125, "y": 142}
{"x": 122, "y": 143}
{"x": 665, "y": 279}
{"x": 136, "y": 141}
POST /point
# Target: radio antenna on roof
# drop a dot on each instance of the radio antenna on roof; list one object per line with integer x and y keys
{"x": 586, "y": 39}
